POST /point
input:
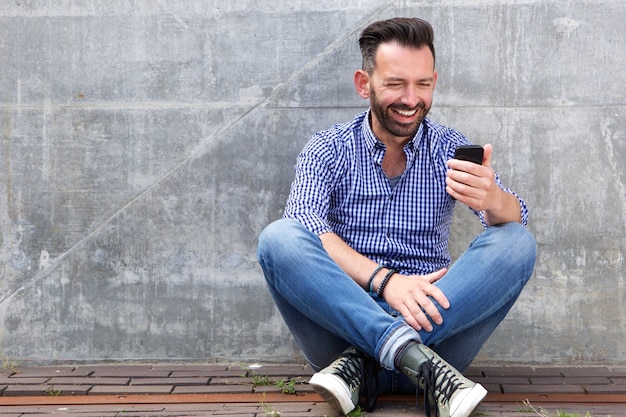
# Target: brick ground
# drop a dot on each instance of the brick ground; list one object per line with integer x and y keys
{"x": 234, "y": 390}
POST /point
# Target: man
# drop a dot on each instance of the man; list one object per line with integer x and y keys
{"x": 359, "y": 267}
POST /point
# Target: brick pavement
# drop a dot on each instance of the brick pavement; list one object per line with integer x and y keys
{"x": 238, "y": 390}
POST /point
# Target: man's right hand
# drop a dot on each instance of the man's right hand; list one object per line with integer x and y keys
{"x": 411, "y": 297}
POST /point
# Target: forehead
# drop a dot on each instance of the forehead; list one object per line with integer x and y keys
{"x": 398, "y": 59}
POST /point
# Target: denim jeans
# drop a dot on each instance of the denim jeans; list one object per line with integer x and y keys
{"x": 327, "y": 312}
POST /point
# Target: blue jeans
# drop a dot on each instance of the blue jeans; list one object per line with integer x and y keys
{"x": 327, "y": 312}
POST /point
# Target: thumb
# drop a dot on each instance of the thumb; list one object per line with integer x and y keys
{"x": 487, "y": 155}
{"x": 435, "y": 276}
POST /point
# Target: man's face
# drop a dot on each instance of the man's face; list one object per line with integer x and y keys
{"x": 400, "y": 91}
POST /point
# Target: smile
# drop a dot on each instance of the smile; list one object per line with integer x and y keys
{"x": 405, "y": 113}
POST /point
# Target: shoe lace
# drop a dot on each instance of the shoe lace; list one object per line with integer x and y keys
{"x": 368, "y": 394}
{"x": 360, "y": 372}
{"x": 348, "y": 369}
{"x": 440, "y": 382}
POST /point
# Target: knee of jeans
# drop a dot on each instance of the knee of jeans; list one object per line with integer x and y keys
{"x": 525, "y": 242}
{"x": 522, "y": 244}
{"x": 277, "y": 236}
{"x": 273, "y": 234}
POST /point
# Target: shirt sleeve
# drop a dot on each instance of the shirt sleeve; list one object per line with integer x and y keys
{"x": 522, "y": 204}
{"x": 456, "y": 139}
{"x": 309, "y": 196}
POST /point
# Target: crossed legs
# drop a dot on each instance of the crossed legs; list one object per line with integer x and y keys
{"x": 326, "y": 311}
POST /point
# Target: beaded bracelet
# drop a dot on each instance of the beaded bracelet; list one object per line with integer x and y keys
{"x": 370, "y": 283}
{"x": 383, "y": 284}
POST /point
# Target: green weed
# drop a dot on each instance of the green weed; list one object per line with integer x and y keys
{"x": 261, "y": 380}
{"x": 257, "y": 379}
{"x": 10, "y": 365}
{"x": 52, "y": 392}
{"x": 355, "y": 413}
{"x": 288, "y": 386}
{"x": 529, "y": 408}
{"x": 270, "y": 411}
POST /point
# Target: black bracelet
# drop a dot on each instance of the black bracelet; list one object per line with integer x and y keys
{"x": 383, "y": 284}
{"x": 370, "y": 283}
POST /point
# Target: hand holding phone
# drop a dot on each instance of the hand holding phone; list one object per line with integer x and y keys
{"x": 472, "y": 153}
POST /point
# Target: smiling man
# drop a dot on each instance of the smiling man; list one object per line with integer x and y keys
{"x": 359, "y": 267}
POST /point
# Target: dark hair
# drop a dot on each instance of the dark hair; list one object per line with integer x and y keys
{"x": 411, "y": 32}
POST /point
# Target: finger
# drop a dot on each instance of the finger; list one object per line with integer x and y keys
{"x": 435, "y": 276}
{"x": 431, "y": 311}
{"x": 410, "y": 318}
{"x": 466, "y": 187}
{"x": 462, "y": 165}
{"x": 423, "y": 320}
{"x": 460, "y": 178}
{"x": 418, "y": 319}
{"x": 439, "y": 297}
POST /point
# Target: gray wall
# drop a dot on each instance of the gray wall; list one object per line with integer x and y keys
{"x": 146, "y": 144}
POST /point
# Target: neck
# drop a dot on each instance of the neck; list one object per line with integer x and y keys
{"x": 391, "y": 141}
{"x": 394, "y": 162}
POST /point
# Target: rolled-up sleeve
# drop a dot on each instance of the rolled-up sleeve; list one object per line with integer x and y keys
{"x": 522, "y": 204}
{"x": 309, "y": 197}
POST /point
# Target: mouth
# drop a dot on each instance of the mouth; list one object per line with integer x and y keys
{"x": 405, "y": 113}
{"x": 406, "y": 116}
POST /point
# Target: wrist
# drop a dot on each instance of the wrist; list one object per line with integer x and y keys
{"x": 384, "y": 282}
{"x": 370, "y": 283}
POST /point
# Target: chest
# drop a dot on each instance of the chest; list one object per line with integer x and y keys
{"x": 394, "y": 164}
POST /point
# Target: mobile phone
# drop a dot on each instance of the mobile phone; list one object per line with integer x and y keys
{"x": 472, "y": 153}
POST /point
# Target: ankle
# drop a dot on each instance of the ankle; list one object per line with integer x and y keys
{"x": 401, "y": 351}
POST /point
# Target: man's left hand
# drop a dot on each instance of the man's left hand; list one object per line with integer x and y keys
{"x": 475, "y": 185}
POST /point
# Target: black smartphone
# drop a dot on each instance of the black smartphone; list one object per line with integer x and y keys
{"x": 472, "y": 153}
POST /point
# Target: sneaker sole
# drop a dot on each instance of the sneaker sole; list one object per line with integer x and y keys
{"x": 469, "y": 402}
{"x": 333, "y": 391}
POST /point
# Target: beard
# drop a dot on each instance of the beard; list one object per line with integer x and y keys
{"x": 387, "y": 122}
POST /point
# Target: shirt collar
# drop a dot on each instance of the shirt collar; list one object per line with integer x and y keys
{"x": 373, "y": 143}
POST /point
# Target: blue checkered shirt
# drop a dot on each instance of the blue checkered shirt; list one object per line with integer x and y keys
{"x": 340, "y": 187}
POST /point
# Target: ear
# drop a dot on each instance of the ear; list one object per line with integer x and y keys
{"x": 362, "y": 83}
{"x": 435, "y": 79}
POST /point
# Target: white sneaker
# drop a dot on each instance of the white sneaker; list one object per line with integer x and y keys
{"x": 446, "y": 390}
{"x": 339, "y": 383}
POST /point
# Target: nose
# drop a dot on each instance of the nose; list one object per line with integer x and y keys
{"x": 410, "y": 97}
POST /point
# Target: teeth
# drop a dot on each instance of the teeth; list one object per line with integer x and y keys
{"x": 406, "y": 113}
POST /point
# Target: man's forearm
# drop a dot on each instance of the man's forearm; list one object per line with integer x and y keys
{"x": 357, "y": 266}
{"x": 508, "y": 211}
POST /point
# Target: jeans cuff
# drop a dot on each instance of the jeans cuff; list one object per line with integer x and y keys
{"x": 396, "y": 336}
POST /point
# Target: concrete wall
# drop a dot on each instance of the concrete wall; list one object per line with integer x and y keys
{"x": 145, "y": 145}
